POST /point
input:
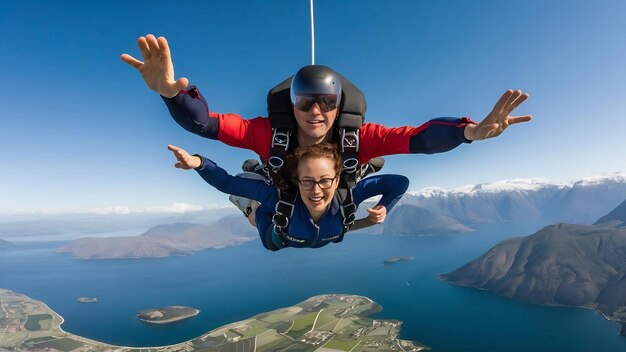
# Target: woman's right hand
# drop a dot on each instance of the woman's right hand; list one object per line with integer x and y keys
{"x": 377, "y": 214}
{"x": 185, "y": 161}
{"x": 157, "y": 69}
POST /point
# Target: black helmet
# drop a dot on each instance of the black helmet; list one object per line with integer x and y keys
{"x": 316, "y": 83}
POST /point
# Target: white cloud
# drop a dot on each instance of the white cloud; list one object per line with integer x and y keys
{"x": 174, "y": 208}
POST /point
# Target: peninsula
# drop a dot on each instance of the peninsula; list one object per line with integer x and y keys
{"x": 176, "y": 239}
{"x": 560, "y": 265}
{"x": 166, "y": 315}
{"x": 332, "y": 322}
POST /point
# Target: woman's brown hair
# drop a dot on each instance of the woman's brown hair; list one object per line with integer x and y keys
{"x": 289, "y": 172}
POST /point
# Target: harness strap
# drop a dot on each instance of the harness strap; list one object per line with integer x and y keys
{"x": 348, "y": 208}
{"x": 283, "y": 212}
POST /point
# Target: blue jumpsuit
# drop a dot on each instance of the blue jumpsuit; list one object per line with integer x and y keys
{"x": 302, "y": 231}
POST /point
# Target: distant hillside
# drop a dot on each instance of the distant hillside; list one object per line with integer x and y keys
{"x": 437, "y": 211}
{"x": 166, "y": 240}
{"x": 4, "y": 244}
{"x": 616, "y": 218}
{"x": 564, "y": 264}
{"x": 411, "y": 220}
{"x": 581, "y": 202}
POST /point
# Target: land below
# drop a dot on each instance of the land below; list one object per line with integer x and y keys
{"x": 326, "y": 323}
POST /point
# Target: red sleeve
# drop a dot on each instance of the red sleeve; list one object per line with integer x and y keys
{"x": 253, "y": 134}
{"x": 378, "y": 140}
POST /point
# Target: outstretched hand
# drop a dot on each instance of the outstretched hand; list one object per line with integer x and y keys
{"x": 156, "y": 69}
{"x": 499, "y": 118}
{"x": 377, "y": 214}
{"x": 185, "y": 161}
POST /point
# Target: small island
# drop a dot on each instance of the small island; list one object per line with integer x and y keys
{"x": 87, "y": 299}
{"x": 166, "y": 315}
{"x": 397, "y": 259}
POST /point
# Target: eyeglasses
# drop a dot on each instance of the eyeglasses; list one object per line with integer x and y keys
{"x": 324, "y": 183}
{"x": 326, "y": 102}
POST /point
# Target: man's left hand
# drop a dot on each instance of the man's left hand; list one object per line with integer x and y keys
{"x": 499, "y": 118}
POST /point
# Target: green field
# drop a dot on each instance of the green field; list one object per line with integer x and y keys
{"x": 39, "y": 339}
{"x": 302, "y": 325}
{"x": 64, "y": 344}
{"x": 341, "y": 345}
{"x": 38, "y": 322}
{"x": 326, "y": 321}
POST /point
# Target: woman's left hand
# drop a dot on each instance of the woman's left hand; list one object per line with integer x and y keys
{"x": 185, "y": 161}
{"x": 377, "y": 214}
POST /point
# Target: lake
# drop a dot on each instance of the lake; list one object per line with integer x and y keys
{"x": 237, "y": 282}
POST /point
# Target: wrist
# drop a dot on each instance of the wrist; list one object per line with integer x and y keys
{"x": 198, "y": 162}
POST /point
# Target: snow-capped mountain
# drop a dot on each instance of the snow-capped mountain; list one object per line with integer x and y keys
{"x": 580, "y": 202}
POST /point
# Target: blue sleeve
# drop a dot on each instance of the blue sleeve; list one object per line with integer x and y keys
{"x": 239, "y": 186}
{"x": 191, "y": 111}
{"x": 440, "y": 135}
{"x": 391, "y": 187}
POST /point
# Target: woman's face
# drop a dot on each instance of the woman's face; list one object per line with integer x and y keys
{"x": 323, "y": 171}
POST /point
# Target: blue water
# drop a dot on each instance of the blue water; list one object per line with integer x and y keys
{"x": 237, "y": 282}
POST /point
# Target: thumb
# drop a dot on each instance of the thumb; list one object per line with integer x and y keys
{"x": 181, "y": 84}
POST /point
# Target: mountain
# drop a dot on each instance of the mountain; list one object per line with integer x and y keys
{"x": 166, "y": 240}
{"x": 563, "y": 264}
{"x": 410, "y": 220}
{"x": 581, "y": 202}
{"x": 616, "y": 218}
{"x": 5, "y": 244}
{"x": 88, "y": 224}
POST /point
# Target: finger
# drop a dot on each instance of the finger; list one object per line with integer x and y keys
{"x": 518, "y": 119}
{"x": 501, "y": 103}
{"x": 131, "y": 61}
{"x": 153, "y": 46}
{"x": 178, "y": 165}
{"x": 516, "y": 100}
{"x": 373, "y": 211}
{"x": 173, "y": 148}
{"x": 164, "y": 50}
{"x": 514, "y": 95}
{"x": 144, "y": 48}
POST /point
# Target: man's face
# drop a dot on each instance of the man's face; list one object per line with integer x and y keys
{"x": 315, "y": 123}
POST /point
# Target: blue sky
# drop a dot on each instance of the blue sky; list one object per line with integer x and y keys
{"x": 80, "y": 129}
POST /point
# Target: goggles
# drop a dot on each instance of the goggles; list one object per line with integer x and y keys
{"x": 326, "y": 102}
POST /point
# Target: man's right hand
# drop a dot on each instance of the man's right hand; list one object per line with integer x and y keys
{"x": 157, "y": 69}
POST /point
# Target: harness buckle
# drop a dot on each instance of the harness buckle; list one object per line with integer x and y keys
{"x": 349, "y": 140}
{"x": 281, "y": 138}
{"x": 275, "y": 162}
{"x": 350, "y": 165}
{"x": 280, "y": 221}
